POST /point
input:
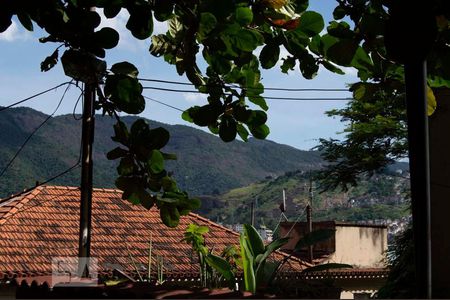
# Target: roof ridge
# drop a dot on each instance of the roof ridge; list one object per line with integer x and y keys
{"x": 25, "y": 191}
{"x": 213, "y": 223}
{"x": 20, "y": 201}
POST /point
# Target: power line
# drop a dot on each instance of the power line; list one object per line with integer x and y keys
{"x": 35, "y": 95}
{"x": 265, "y": 97}
{"x": 33, "y": 132}
{"x": 265, "y": 88}
{"x": 162, "y": 103}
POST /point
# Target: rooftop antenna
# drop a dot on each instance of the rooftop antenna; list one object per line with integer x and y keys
{"x": 283, "y": 206}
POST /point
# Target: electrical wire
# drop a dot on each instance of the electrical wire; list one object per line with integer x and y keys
{"x": 265, "y": 88}
{"x": 162, "y": 103}
{"x": 33, "y": 132}
{"x": 265, "y": 97}
{"x": 35, "y": 95}
{"x": 75, "y": 107}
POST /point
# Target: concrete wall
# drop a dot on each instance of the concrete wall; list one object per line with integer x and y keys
{"x": 360, "y": 246}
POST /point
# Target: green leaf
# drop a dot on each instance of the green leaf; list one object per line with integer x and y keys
{"x": 258, "y": 100}
{"x": 175, "y": 27}
{"x": 314, "y": 238}
{"x": 207, "y": 23}
{"x": 106, "y": 37}
{"x": 140, "y": 22}
{"x": 126, "y": 166}
{"x": 288, "y": 64}
{"x": 342, "y": 52}
{"x": 255, "y": 242}
{"x": 187, "y": 117}
{"x": 161, "y": 45}
{"x": 269, "y": 55}
{"x": 25, "y": 20}
{"x": 163, "y": 9}
{"x": 257, "y": 118}
{"x": 340, "y": 30}
{"x": 111, "y": 11}
{"x": 331, "y": 67}
{"x": 328, "y": 266}
{"x": 125, "y": 93}
{"x": 227, "y": 128}
{"x": 339, "y": 12}
{"x": 244, "y": 15}
{"x": 243, "y": 132}
{"x": 247, "y": 265}
{"x": 50, "y": 61}
{"x": 125, "y": 68}
{"x": 121, "y": 133}
{"x": 247, "y": 40}
{"x": 269, "y": 249}
{"x": 309, "y": 66}
{"x": 311, "y": 23}
{"x": 223, "y": 267}
{"x": 301, "y": 5}
{"x": 158, "y": 138}
{"x": 116, "y": 153}
{"x": 170, "y": 215}
{"x": 156, "y": 162}
{"x": 260, "y": 132}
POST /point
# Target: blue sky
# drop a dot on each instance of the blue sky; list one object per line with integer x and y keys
{"x": 298, "y": 124}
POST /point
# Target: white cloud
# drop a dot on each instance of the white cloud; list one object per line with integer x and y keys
{"x": 194, "y": 98}
{"x": 14, "y": 33}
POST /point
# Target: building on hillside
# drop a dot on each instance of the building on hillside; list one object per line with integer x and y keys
{"x": 362, "y": 246}
{"x": 42, "y": 224}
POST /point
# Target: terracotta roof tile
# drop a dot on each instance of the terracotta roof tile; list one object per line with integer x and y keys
{"x": 42, "y": 223}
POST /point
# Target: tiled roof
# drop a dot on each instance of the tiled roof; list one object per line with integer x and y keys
{"x": 43, "y": 223}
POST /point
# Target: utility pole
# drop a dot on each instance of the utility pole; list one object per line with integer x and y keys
{"x": 87, "y": 138}
{"x": 309, "y": 219}
{"x": 405, "y": 46}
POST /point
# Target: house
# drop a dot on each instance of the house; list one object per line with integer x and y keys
{"x": 362, "y": 246}
{"x": 42, "y": 224}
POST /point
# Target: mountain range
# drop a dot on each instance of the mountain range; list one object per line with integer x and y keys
{"x": 205, "y": 164}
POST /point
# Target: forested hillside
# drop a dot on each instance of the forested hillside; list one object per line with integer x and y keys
{"x": 205, "y": 164}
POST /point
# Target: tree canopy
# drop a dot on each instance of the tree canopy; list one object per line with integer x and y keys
{"x": 235, "y": 39}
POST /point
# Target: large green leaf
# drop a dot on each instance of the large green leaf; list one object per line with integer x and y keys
{"x": 125, "y": 93}
{"x": 106, "y": 37}
{"x": 125, "y": 68}
{"x": 244, "y": 15}
{"x": 309, "y": 66}
{"x": 227, "y": 128}
{"x": 156, "y": 162}
{"x": 207, "y": 23}
{"x": 170, "y": 215}
{"x": 247, "y": 265}
{"x": 269, "y": 249}
{"x": 260, "y": 132}
{"x": 140, "y": 22}
{"x": 342, "y": 52}
{"x": 223, "y": 267}
{"x": 328, "y": 266}
{"x": 269, "y": 55}
{"x": 255, "y": 242}
{"x": 311, "y": 23}
{"x": 314, "y": 237}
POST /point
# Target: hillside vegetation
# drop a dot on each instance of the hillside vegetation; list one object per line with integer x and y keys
{"x": 205, "y": 164}
{"x": 384, "y": 196}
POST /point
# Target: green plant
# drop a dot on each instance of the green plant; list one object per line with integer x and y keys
{"x": 160, "y": 270}
{"x": 194, "y": 236}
